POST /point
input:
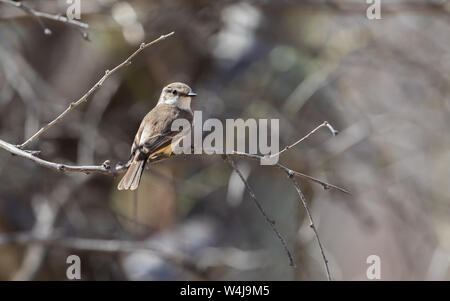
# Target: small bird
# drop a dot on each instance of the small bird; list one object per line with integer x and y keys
{"x": 155, "y": 135}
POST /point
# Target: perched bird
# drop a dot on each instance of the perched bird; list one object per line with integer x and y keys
{"x": 155, "y": 135}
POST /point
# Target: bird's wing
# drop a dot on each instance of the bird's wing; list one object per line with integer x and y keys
{"x": 155, "y": 144}
{"x": 159, "y": 131}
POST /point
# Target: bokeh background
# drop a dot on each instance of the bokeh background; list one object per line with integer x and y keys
{"x": 383, "y": 83}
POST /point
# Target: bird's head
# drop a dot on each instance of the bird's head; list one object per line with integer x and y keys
{"x": 177, "y": 94}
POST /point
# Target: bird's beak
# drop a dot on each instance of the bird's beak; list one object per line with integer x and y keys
{"x": 192, "y": 94}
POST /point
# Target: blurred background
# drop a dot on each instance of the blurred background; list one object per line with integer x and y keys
{"x": 383, "y": 83}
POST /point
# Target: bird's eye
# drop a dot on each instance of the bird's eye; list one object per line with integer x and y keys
{"x": 174, "y": 92}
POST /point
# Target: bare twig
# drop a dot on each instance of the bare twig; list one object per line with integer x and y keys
{"x": 261, "y": 209}
{"x": 84, "y": 98}
{"x": 105, "y": 168}
{"x": 324, "y": 124}
{"x": 324, "y": 184}
{"x": 311, "y": 223}
{"x": 41, "y": 15}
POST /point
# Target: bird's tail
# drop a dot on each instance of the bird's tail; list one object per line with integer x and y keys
{"x": 133, "y": 175}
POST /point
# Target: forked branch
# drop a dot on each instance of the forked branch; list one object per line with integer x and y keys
{"x": 324, "y": 124}
{"x": 261, "y": 209}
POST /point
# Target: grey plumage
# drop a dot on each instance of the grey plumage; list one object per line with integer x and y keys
{"x": 155, "y": 134}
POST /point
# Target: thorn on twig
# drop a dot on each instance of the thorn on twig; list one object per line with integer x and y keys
{"x": 291, "y": 174}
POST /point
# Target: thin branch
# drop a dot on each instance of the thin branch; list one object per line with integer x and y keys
{"x": 105, "y": 168}
{"x": 324, "y": 184}
{"x": 261, "y": 209}
{"x": 99, "y": 84}
{"x": 324, "y": 124}
{"x": 41, "y": 15}
{"x": 311, "y": 223}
